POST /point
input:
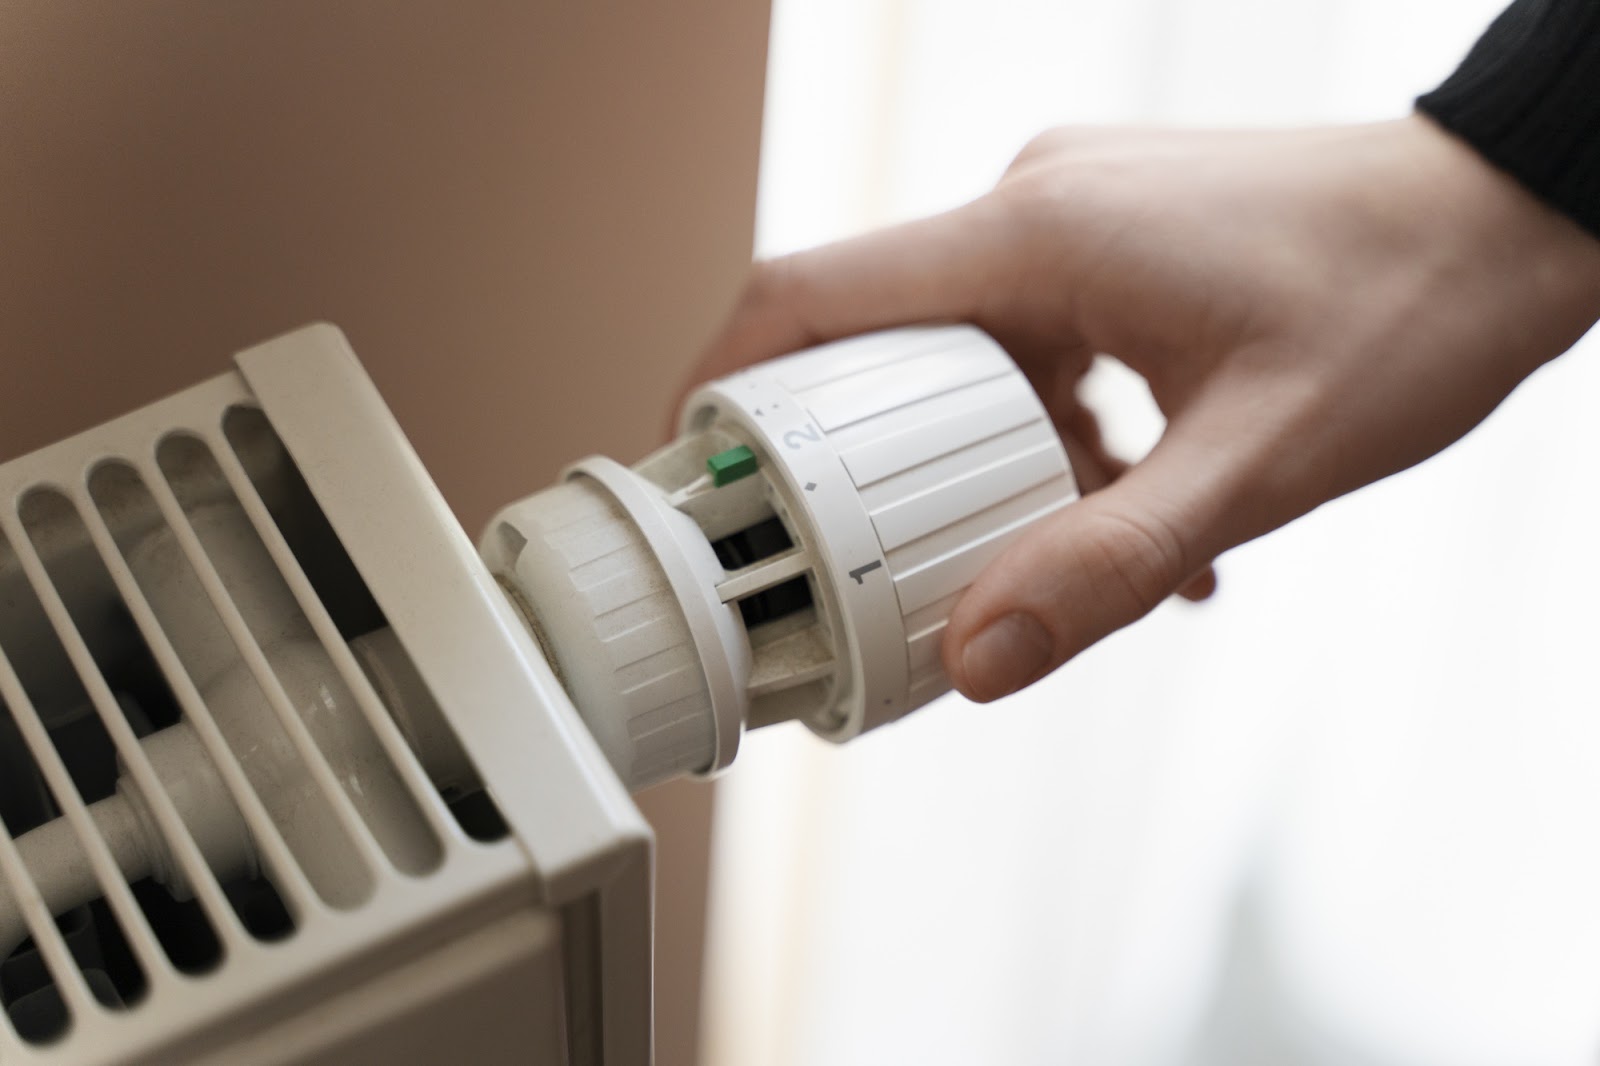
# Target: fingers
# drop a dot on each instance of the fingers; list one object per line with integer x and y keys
{"x": 1098, "y": 565}
{"x": 943, "y": 268}
{"x": 1094, "y": 467}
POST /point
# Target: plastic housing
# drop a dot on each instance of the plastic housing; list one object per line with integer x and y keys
{"x": 795, "y": 554}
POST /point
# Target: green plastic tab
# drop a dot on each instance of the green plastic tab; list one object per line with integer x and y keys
{"x": 731, "y": 465}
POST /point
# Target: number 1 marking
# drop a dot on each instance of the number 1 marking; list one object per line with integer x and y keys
{"x": 860, "y": 572}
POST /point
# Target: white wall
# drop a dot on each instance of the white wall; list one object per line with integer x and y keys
{"x": 1347, "y": 813}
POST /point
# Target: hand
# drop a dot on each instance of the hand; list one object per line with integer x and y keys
{"x": 1313, "y": 310}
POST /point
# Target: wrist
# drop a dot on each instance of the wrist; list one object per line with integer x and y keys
{"x": 1488, "y": 238}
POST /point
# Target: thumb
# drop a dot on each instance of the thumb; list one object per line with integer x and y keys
{"x": 1099, "y": 564}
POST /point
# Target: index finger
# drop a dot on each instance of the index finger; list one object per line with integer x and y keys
{"x": 946, "y": 267}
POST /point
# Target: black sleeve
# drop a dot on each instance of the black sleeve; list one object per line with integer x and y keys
{"x": 1528, "y": 98}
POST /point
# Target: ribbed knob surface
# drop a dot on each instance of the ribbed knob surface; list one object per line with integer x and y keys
{"x": 613, "y": 626}
{"x": 941, "y": 446}
{"x": 952, "y": 455}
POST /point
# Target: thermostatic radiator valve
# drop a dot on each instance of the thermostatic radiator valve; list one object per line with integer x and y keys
{"x": 794, "y": 554}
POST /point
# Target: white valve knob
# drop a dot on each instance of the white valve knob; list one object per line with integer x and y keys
{"x": 911, "y": 457}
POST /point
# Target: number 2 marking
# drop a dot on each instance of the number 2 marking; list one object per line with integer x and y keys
{"x": 799, "y": 438}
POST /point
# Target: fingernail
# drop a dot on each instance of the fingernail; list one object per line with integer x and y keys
{"x": 1006, "y": 655}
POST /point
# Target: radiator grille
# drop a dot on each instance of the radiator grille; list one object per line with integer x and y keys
{"x": 143, "y": 572}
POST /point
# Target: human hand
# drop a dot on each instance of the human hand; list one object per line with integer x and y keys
{"x": 1312, "y": 310}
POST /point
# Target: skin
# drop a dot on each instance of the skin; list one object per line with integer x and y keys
{"x": 1313, "y": 310}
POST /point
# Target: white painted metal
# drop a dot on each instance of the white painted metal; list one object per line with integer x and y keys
{"x": 575, "y": 862}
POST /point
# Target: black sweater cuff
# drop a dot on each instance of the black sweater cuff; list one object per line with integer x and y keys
{"x": 1528, "y": 98}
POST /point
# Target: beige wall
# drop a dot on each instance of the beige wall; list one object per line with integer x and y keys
{"x": 525, "y": 215}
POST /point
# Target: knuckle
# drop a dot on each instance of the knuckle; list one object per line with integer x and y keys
{"x": 1057, "y": 142}
{"x": 780, "y": 290}
{"x": 767, "y": 281}
{"x": 1140, "y": 559}
{"x": 1072, "y": 188}
{"x": 1042, "y": 146}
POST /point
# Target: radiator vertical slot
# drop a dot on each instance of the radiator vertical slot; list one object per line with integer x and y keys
{"x": 362, "y": 615}
{"x": 120, "y": 923}
{"x": 124, "y": 512}
{"x": 370, "y": 800}
{"x": 61, "y": 975}
{"x": 195, "y": 608}
{"x": 45, "y": 963}
{"x": 332, "y": 593}
{"x": 80, "y": 566}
